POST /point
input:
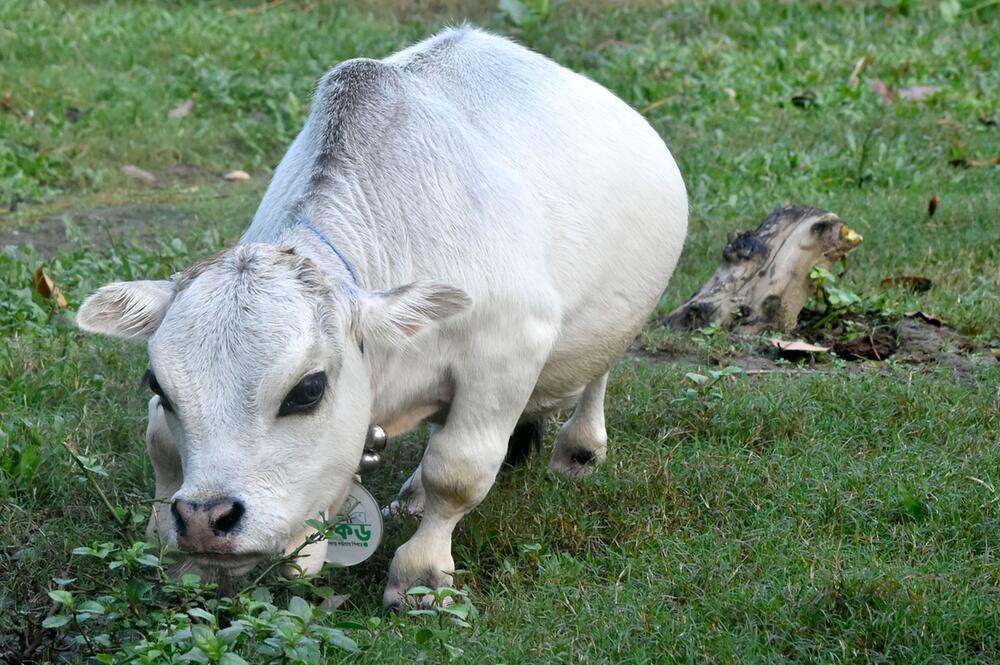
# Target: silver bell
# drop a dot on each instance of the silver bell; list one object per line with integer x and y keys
{"x": 376, "y": 439}
{"x": 369, "y": 461}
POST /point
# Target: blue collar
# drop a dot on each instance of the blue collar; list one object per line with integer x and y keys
{"x": 350, "y": 271}
{"x": 316, "y": 232}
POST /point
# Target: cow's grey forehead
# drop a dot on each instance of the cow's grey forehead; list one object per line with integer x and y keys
{"x": 247, "y": 264}
{"x": 250, "y": 302}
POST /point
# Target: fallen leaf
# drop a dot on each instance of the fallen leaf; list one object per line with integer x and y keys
{"x": 881, "y": 89}
{"x": 334, "y": 602}
{"x": 730, "y": 92}
{"x": 798, "y": 346}
{"x": 658, "y": 103}
{"x": 47, "y": 288}
{"x": 910, "y": 282}
{"x": 977, "y": 163}
{"x": 182, "y": 110}
{"x": 134, "y": 172}
{"x": 927, "y": 318}
{"x": 918, "y": 93}
{"x": 932, "y": 205}
{"x": 235, "y": 176}
{"x": 996, "y": 354}
{"x": 855, "y": 77}
{"x": 804, "y": 99}
{"x": 966, "y": 163}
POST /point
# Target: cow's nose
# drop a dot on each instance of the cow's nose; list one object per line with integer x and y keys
{"x": 206, "y": 527}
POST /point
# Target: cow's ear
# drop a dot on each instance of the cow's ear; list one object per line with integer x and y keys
{"x": 395, "y": 316}
{"x": 130, "y": 310}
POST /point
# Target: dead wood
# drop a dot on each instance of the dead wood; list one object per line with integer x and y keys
{"x": 763, "y": 282}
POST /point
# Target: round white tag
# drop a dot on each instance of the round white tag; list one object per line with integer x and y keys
{"x": 358, "y": 532}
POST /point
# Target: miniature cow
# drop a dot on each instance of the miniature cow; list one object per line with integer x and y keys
{"x": 464, "y": 232}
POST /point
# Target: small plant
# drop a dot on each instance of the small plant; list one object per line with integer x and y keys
{"x": 706, "y": 385}
{"x": 449, "y": 607}
{"x": 827, "y": 296}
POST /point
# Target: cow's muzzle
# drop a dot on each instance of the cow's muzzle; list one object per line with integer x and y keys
{"x": 207, "y": 527}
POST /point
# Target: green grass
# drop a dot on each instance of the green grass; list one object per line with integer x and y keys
{"x": 838, "y": 516}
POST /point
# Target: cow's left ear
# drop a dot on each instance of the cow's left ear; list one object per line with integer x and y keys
{"x": 130, "y": 310}
{"x": 395, "y": 316}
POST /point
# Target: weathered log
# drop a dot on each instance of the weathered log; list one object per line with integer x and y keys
{"x": 763, "y": 282}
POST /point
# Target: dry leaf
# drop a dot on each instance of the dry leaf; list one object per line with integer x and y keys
{"x": 932, "y": 205}
{"x": 798, "y": 347}
{"x": 47, "y": 288}
{"x": 134, "y": 172}
{"x": 996, "y": 354}
{"x": 658, "y": 103}
{"x": 730, "y": 92}
{"x": 855, "y": 77}
{"x": 182, "y": 110}
{"x": 881, "y": 89}
{"x": 977, "y": 163}
{"x": 918, "y": 93}
{"x": 334, "y": 602}
{"x": 234, "y": 176}
{"x": 913, "y": 283}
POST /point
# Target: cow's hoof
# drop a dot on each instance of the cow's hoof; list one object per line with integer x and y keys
{"x": 576, "y": 463}
{"x": 401, "y": 509}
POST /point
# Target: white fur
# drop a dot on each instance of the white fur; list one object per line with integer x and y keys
{"x": 511, "y": 225}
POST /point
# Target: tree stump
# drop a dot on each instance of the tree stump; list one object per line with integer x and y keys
{"x": 763, "y": 282}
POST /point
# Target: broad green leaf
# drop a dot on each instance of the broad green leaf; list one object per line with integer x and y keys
{"x": 55, "y": 621}
{"x": 62, "y": 597}
{"x": 300, "y": 608}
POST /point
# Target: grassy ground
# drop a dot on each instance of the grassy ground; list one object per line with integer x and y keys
{"x": 841, "y": 515}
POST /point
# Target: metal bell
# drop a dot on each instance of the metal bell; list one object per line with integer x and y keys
{"x": 369, "y": 461}
{"x": 376, "y": 439}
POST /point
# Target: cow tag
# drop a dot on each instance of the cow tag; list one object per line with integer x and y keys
{"x": 358, "y": 532}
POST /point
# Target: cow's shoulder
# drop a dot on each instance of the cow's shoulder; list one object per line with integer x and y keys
{"x": 353, "y": 102}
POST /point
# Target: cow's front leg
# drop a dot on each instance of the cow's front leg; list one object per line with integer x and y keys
{"x": 456, "y": 472}
{"x": 166, "y": 469}
{"x": 410, "y": 500}
{"x": 463, "y": 457}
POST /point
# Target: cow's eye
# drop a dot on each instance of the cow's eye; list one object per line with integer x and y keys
{"x": 304, "y": 397}
{"x": 154, "y": 385}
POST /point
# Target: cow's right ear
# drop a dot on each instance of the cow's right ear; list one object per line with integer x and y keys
{"x": 129, "y": 310}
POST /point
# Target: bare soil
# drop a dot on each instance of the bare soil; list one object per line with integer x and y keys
{"x": 101, "y": 227}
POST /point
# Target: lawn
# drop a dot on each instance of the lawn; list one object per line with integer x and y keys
{"x": 830, "y": 511}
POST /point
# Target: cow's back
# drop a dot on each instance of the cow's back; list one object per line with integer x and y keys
{"x": 469, "y": 159}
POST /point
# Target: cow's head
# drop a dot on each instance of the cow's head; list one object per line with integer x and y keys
{"x": 266, "y": 390}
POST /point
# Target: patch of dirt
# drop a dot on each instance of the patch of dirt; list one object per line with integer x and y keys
{"x": 864, "y": 340}
{"x": 101, "y": 227}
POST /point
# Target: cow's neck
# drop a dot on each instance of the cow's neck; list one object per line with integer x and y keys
{"x": 406, "y": 388}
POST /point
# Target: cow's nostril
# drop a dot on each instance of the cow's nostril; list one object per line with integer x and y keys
{"x": 229, "y": 518}
{"x": 179, "y": 522}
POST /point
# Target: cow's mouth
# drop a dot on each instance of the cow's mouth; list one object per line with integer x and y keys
{"x": 233, "y": 562}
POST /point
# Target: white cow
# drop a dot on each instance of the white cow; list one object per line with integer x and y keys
{"x": 464, "y": 232}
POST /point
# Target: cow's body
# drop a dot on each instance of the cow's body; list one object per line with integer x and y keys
{"x": 472, "y": 162}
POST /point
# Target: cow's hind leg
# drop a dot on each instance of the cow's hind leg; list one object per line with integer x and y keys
{"x": 583, "y": 440}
